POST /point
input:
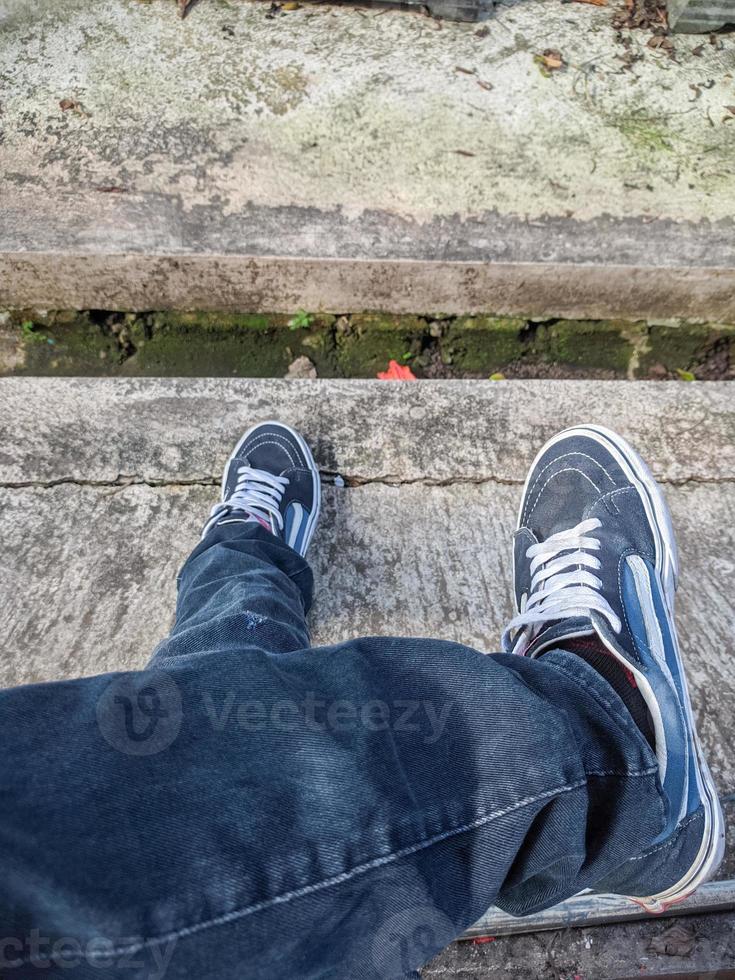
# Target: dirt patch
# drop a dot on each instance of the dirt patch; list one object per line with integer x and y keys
{"x": 648, "y": 15}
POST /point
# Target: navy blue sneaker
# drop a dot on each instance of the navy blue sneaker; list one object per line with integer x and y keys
{"x": 595, "y": 562}
{"x": 271, "y": 479}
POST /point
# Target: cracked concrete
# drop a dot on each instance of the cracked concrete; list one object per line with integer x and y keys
{"x": 336, "y": 159}
{"x": 104, "y": 486}
{"x": 387, "y": 560}
{"x": 176, "y": 430}
{"x": 328, "y": 478}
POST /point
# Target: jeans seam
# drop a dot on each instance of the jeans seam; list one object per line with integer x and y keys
{"x": 232, "y": 916}
{"x": 670, "y": 842}
{"x": 366, "y": 866}
{"x": 652, "y": 770}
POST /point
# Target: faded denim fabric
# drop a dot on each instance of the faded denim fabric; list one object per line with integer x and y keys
{"x": 248, "y": 807}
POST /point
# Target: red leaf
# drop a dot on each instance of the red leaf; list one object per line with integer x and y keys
{"x": 397, "y": 372}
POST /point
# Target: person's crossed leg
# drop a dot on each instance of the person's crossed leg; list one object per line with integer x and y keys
{"x": 251, "y": 807}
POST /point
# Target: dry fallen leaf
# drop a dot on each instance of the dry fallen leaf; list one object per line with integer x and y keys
{"x": 488, "y": 86}
{"x": 551, "y": 59}
{"x": 464, "y": 71}
{"x": 72, "y": 105}
{"x": 677, "y": 940}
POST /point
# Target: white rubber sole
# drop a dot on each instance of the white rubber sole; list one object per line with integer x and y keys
{"x": 712, "y": 848}
{"x": 317, "y": 482}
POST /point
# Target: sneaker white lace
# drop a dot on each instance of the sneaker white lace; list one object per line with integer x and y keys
{"x": 258, "y": 493}
{"x": 558, "y": 592}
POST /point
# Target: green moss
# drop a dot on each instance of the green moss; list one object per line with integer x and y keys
{"x": 681, "y": 346}
{"x": 218, "y": 345}
{"x": 645, "y": 133}
{"x": 66, "y": 344}
{"x": 602, "y": 344}
{"x": 201, "y": 344}
{"x": 483, "y": 344}
{"x": 373, "y": 339}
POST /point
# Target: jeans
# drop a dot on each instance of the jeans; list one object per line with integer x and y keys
{"x": 249, "y": 807}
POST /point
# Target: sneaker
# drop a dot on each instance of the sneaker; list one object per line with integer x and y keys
{"x": 595, "y": 557}
{"x": 271, "y": 479}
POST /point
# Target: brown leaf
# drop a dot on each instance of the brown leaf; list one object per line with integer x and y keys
{"x": 645, "y": 14}
{"x": 67, "y": 104}
{"x": 488, "y": 86}
{"x": 482, "y": 32}
{"x": 659, "y": 42}
{"x": 677, "y": 940}
{"x": 697, "y": 52}
{"x": 464, "y": 71}
{"x": 550, "y": 59}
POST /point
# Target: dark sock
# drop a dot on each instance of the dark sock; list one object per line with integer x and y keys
{"x": 622, "y": 681}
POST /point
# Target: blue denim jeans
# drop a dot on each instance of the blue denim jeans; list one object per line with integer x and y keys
{"x": 249, "y": 807}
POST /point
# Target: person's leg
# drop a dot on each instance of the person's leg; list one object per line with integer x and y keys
{"x": 242, "y": 587}
{"x": 595, "y": 572}
{"x": 247, "y": 583}
{"x": 343, "y": 812}
{"x": 246, "y": 808}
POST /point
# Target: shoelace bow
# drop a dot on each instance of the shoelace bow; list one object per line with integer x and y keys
{"x": 562, "y": 585}
{"x": 258, "y": 493}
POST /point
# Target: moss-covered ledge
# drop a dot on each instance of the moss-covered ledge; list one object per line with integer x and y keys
{"x": 101, "y": 342}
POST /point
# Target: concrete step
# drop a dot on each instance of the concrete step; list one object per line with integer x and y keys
{"x": 700, "y": 16}
{"x": 104, "y": 485}
{"x": 338, "y": 159}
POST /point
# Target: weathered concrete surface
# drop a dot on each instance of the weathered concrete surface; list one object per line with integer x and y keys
{"x": 104, "y": 487}
{"x": 338, "y": 159}
{"x": 700, "y": 16}
{"x": 89, "y": 576}
{"x": 89, "y": 563}
{"x": 178, "y": 430}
